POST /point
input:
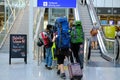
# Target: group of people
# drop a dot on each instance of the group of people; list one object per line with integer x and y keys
{"x": 69, "y": 52}
{"x": 62, "y": 54}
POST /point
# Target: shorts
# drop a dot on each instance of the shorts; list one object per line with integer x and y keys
{"x": 94, "y": 38}
{"x": 61, "y": 56}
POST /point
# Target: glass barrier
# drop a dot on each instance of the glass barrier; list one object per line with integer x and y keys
{"x": 12, "y": 9}
{"x": 38, "y": 27}
{"x": 54, "y": 13}
{"x": 36, "y": 20}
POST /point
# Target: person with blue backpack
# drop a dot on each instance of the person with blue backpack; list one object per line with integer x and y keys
{"x": 62, "y": 43}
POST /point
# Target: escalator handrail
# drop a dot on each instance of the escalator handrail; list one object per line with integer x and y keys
{"x": 94, "y": 12}
{"x": 86, "y": 50}
{"x": 89, "y": 49}
{"x": 118, "y": 49}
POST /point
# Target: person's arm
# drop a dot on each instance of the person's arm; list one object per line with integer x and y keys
{"x": 54, "y": 37}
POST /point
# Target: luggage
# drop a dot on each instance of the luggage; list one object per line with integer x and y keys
{"x": 75, "y": 71}
{"x": 44, "y": 37}
{"x": 63, "y": 38}
{"x": 77, "y": 34}
{"x": 39, "y": 42}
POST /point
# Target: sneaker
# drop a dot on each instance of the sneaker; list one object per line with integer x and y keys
{"x": 49, "y": 68}
{"x": 63, "y": 76}
{"x": 46, "y": 66}
{"x": 81, "y": 67}
{"x": 58, "y": 72}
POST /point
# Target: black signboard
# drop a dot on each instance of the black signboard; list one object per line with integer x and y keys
{"x": 18, "y": 47}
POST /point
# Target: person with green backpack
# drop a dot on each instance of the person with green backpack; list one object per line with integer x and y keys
{"x": 77, "y": 39}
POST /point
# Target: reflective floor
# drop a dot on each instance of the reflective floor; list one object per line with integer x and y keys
{"x": 18, "y": 70}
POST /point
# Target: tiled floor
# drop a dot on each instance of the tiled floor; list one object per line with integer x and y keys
{"x": 18, "y": 70}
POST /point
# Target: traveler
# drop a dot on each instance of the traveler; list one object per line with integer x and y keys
{"x": 77, "y": 39}
{"x": 62, "y": 43}
{"x": 48, "y": 56}
{"x": 93, "y": 33}
{"x": 61, "y": 54}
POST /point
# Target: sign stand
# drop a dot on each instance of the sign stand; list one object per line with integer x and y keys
{"x": 18, "y": 47}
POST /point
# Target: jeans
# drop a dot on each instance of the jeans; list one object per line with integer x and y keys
{"x": 48, "y": 57}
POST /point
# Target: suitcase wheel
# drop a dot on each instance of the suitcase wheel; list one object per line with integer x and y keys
{"x": 74, "y": 79}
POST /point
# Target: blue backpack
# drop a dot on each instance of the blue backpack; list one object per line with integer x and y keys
{"x": 63, "y": 38}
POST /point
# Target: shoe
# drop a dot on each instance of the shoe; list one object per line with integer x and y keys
{"x": 81, "y": 67}
{"x": 46, "y": 66}
{"x": 58, "y": 72}
{"x": 49, "y": 68}
{"x": 63, "y": 76}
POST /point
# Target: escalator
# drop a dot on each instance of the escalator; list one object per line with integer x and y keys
{"x": 101, "y": 56}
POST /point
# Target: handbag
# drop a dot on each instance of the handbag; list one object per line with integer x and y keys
{"x": 93, "y": 32}
{"x": 39, "y": 42}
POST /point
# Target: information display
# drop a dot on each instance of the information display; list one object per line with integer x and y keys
{"x": 18, "y": 46}
{"x": 56, "y": 3}
{"x": 104, "y": 22}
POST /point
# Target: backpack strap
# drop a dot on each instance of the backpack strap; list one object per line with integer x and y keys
{"x": 60, "y": 42}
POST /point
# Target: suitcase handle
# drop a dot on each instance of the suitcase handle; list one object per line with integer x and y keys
{"x": 72, "y": 57}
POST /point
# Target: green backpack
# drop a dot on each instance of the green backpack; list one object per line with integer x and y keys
{"x": 77, "y": 34}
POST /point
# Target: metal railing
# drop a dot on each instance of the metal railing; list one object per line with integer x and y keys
{"x": 87, "y": 52}
{"x": 38, "y": 51}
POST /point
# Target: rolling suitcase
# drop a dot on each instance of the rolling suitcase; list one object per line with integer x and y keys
{"x": 75, "y": 71}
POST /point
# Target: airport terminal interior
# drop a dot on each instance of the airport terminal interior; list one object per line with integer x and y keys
{"x": 25, "y": 19}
